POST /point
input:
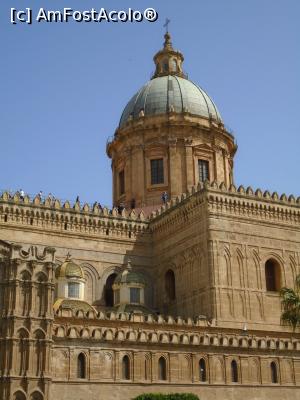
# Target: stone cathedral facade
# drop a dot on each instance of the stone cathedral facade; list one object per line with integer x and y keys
{"x": 174, "y": 289}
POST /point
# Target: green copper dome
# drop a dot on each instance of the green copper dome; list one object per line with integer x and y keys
{"x": 129, "y": 276}
{"x": 170, "y": 93}
{"x": 69, "y": 270}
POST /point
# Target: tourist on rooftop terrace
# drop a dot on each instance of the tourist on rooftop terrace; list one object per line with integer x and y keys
{"x": 164, "y": 197}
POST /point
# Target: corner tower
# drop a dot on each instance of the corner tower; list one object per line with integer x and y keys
{"x": 170, "y": 137}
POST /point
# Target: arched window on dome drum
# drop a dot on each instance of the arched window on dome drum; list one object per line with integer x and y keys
{"x": 157, "y": 171}
{"x": 170, "y": 286}
{"x": 202, "y": 370}
{"x": 274, "y": 374}
{"x": 81, "y": 367}
{"x": 203, "y": 168}
{"x": 234, "y": 371}
{"x": 162, "y": 369}
{"x": 272, "y": 273}
{"x": 126, "y": 368}
{"x": 108, "y": 290}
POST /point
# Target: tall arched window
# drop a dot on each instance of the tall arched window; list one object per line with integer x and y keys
{"x": 202, "y": 370}
{"x": 274, "y": 375}
{"x": 108, "y": 290}
{"x": 81, "y": 367}
{"x": 170, "y": 285}
{"x": 162, "y": 369}
{"x": 234, "y": 371}
{"x": 272, "y": 272}
{"x": 126, "y": 368}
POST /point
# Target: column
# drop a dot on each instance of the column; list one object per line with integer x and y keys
{"x": 174, "y": 178}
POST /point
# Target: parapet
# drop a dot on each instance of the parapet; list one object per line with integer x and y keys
{"x": 52, "y": 214}
{"x": 239, "y": 199}
{"x": 124, "y": 327}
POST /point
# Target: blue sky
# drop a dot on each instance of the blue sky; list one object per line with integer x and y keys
{"x": 64, "y": 86}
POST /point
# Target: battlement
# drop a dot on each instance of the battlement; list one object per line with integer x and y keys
{"x": 243, "y": 203}
{"x": 51, "y": 214}
{"x": 258, "y": 194}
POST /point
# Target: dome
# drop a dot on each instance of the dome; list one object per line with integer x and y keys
{"x": 129, "y": 276}
{"x": 69, "y": 270}
{"x": 74, "y": 305}
{"x": 170, "y": 93}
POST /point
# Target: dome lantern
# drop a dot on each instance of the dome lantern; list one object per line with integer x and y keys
{"x": 70, "y": 280}
{"x": 168, "y": 61}
{"x": 129, "y": 287}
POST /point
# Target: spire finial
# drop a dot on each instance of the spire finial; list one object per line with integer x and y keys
{"x": 68, "y": 257}
{"x": 166, "y": 24}
{"x": 129, "y": 267}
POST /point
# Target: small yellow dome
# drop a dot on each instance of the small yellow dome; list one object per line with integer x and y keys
{"x": 69, "y": 270}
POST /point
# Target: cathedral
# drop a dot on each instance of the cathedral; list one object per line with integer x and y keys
{"x": 175, "y": 289}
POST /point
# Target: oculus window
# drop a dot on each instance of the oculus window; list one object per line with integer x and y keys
{"x": 157, "y": 171}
